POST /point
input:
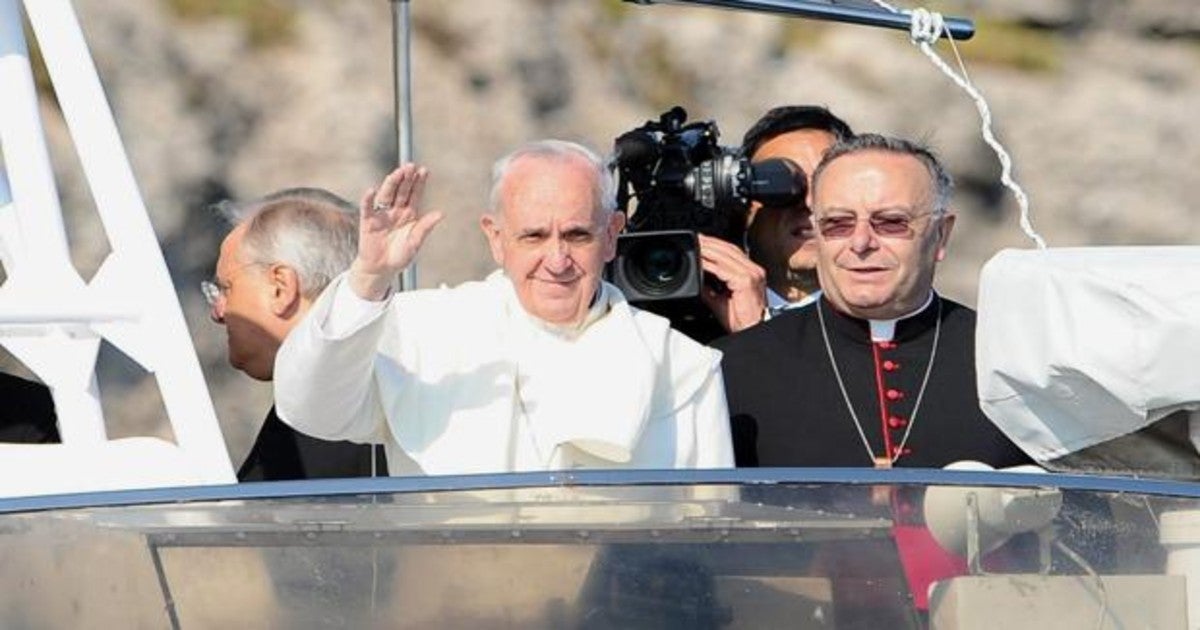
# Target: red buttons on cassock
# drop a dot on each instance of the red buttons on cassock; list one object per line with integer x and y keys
{"x": 890, "y": 366}
{"x": 898, "y": 452}
{"x": 896, "y": 422}
{"x": 887, "y": 345}
{"x": 894, "y": 394}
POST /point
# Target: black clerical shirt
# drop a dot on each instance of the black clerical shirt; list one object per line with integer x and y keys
{"x": 282, "y": 453}
{"x": 788, "y": 410}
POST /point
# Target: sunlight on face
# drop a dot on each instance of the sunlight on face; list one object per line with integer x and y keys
{"x": 870, "y": 272}
{"x": 550, "y": 238}
{"x": 244, "y": 309}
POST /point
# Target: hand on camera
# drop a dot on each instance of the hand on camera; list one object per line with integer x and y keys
{"x": 744, "y": 300}
{"x": 391, "y": 230}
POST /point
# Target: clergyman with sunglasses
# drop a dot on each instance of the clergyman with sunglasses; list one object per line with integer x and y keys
{"x": 282, "y": 251}
{"x": 882, "y": 372}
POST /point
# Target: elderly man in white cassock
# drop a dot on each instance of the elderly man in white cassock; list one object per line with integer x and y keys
{"x": 541, "y": 366}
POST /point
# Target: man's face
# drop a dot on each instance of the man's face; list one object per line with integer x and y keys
{"x": 781, "y": 239}
{"x": 551, "y": 239}
{"x": 245, "y": 308}
{"x": 877, "y": 239}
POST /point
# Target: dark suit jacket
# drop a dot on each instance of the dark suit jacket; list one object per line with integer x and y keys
{"x": 282, "y": 453}
{"x": 26, "y": 411}
{"x": 787, "y": 409}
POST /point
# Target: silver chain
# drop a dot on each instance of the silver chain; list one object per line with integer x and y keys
{"x": 912, "y": 418}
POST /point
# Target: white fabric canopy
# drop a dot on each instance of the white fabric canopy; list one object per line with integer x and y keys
{"x": 1078, "y": 346}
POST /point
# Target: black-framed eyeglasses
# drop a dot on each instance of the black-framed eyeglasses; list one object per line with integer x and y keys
{"x": 889, "y": 224}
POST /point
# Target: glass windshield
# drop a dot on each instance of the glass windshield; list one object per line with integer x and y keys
{"x": 675, "y": 555}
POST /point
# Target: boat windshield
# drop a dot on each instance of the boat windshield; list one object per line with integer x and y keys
{"x": 739, "y": 549}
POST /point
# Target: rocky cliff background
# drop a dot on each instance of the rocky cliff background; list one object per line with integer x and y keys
{"x": 1097, "y": 101}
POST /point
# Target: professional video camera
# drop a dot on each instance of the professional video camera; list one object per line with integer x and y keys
{"x": 685, "y": 183}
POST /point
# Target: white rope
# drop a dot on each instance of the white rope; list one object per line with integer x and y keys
{"x": 927, "y": 26}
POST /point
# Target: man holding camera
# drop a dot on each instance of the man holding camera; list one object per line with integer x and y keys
{"x": 881, "y": 371}
{"x": 541, "y": 366}
{"x": 780, "y": 270}
{"x": 780, "y": 238}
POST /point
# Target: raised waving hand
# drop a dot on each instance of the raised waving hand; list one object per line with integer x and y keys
{"x": 391, "y": 230}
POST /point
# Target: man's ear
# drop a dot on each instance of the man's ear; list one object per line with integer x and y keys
{"x": 285, "y": 290}
{"x": 491, "y": 229}
{"x": 616, "y": 223}
{"x": 945, "y": 226}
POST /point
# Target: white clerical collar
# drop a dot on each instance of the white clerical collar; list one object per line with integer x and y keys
{"x": 885, "y": 329}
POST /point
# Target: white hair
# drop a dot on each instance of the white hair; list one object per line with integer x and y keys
{"x": 605, "y": 183}
{"x": 310, "y": 230}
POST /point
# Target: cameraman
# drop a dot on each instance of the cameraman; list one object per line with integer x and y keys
{"x": 780, "y": 239}
{"x": 780, "y": 272}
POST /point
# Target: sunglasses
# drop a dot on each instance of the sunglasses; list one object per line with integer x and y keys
{"x": 890, "y": 224}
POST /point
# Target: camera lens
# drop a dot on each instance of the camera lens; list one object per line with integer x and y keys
{"x": 657, "y": 267}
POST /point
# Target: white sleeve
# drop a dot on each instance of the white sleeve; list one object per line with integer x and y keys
{"x": 710, "y": 415}
{"x": 324, "y": 371}
{"x": 349, "y": 312}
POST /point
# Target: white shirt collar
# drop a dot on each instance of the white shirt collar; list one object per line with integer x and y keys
{"x": 776, "y": 303}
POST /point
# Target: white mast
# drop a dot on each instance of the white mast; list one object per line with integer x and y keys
{"x": 52, "y": 320}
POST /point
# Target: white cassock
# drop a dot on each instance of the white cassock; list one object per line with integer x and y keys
{"x": 462, "y": 380}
